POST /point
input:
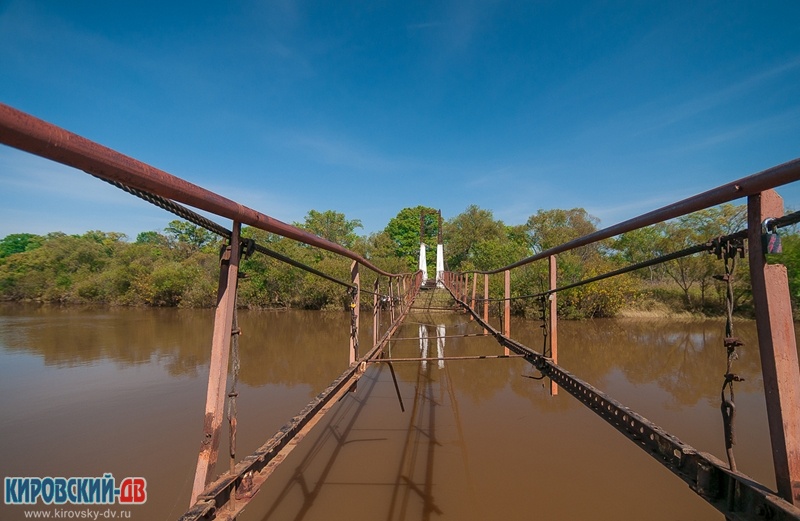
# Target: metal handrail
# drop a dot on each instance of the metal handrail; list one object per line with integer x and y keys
{"x": 751, "y": 185}
{"x": 31, "y": 134}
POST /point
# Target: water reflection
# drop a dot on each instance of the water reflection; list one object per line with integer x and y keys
{"x": 122, "y": 390}
{"x": 70, "y": 337}
{"x": 686, "y": 359}
{"x": 439, "y": 336}
{"x": 418, "y": 476}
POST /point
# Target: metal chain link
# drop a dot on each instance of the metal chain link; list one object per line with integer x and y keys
{"x": 543, "y": 316}
{"x": 235, "y": 368}
{"x": 352, "y": 291}
{"x": 729, "y": 250}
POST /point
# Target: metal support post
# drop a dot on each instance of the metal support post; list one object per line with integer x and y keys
{"x": 486, "y": 301}
{"x": 391, "y": 300}
{"x": 401, "y": 286}
{"x": 394, "y": 289}
{"x": 507, "y": 306}
{"x": 474, "y": 288}
{"x": 218, "y": 368}
{"x": 553, "y": 319}
{"x": 375, "y": 312}
{"x": 407, "y": 291}
{"x": 354, "y": 311}
{"x": 777, "y": 347}
{"x": 507, "y": 303}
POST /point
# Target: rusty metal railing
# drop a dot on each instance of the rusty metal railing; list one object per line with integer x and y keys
{"x": 228, "y": 494}
{"x": 224, "y": 497}
{"x": 778, "y": 348}
{"x": 31, "y": 134}
{"x": 786, "y": 173}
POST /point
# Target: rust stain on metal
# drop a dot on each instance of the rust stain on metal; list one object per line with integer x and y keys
{"x": 777, "y": 347}
{"x": 208, "y": 429}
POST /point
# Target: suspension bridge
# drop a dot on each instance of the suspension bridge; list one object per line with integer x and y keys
{"x": 223, "y": 493}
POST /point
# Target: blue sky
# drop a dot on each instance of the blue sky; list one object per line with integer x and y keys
{"x": 369, "y": 107}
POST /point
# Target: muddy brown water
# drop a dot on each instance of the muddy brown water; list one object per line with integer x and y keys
{"x": 84, "y": 392}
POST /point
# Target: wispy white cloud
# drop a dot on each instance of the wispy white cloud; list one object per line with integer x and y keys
{"x": 424, "y": 25}
{"x": 24, "y": 173}
{"x": 670, "y": 115}
{"x": 342, "y": 152}
{"x": 40, "y": 196}
{"x": 492, "y": 178}
{"x": 279, "y": 205}
{"x": 786, "y": 120}
{"x": 632, "y": 206}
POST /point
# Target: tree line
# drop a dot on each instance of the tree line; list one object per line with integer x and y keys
{"x": 178, "y": 266}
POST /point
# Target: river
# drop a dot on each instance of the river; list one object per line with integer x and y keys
{"x": 90, "y": 391}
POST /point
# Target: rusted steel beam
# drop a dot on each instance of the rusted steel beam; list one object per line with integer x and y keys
{"x": 706, "y": 475}
{"x": 751, "y": 185}
{"x": 474, "y": 289}
{"x": 552, "y": 298}
{"x": 777, "y": 348}
{"x": 486, "y": 301}
{"x": 355, "y": 311}
{"x": 391, "y": 301}
{"x": 218, "y": 366}
{"x": 507, "y": 303}
{"x": 226, "y": 497}
{"x": 405, "y": 279}
{"x": 31, "y": 134}
{"x": 375, "y": 312}
{"x": 445, "y": 358}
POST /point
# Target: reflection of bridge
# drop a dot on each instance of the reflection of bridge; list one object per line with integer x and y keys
{"x": 720, "y": 484}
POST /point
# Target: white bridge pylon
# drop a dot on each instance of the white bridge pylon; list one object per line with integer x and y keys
{"x": 423, "y": 259}
{"x": 439, "y": 265}
{"x": 423, "y": 263}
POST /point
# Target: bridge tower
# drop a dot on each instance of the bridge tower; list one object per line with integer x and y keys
{"x": 439, "y": 255}
{"x": 423, "y": 260}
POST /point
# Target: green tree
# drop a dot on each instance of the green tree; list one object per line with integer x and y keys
{"x": 379, "y": 249}
{"x": 331, "y": 225}
{"x": 699, "y": 270}
{"x": 467, "y": 234}
{"x": 191, "y": 235}
{"x": 18, "y": 243}
{"x": 404, "y": 232}
{"x": 153, "y": 238}
{"x": 641, "y": 245}
{"x": 790, "y": 258}
{"x": 550, "y": 228}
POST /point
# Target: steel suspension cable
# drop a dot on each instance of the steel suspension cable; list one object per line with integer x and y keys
{"x": 195, "y": 218}
{"x": 780, "y": 222}
{"x": 691, "y": 250}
